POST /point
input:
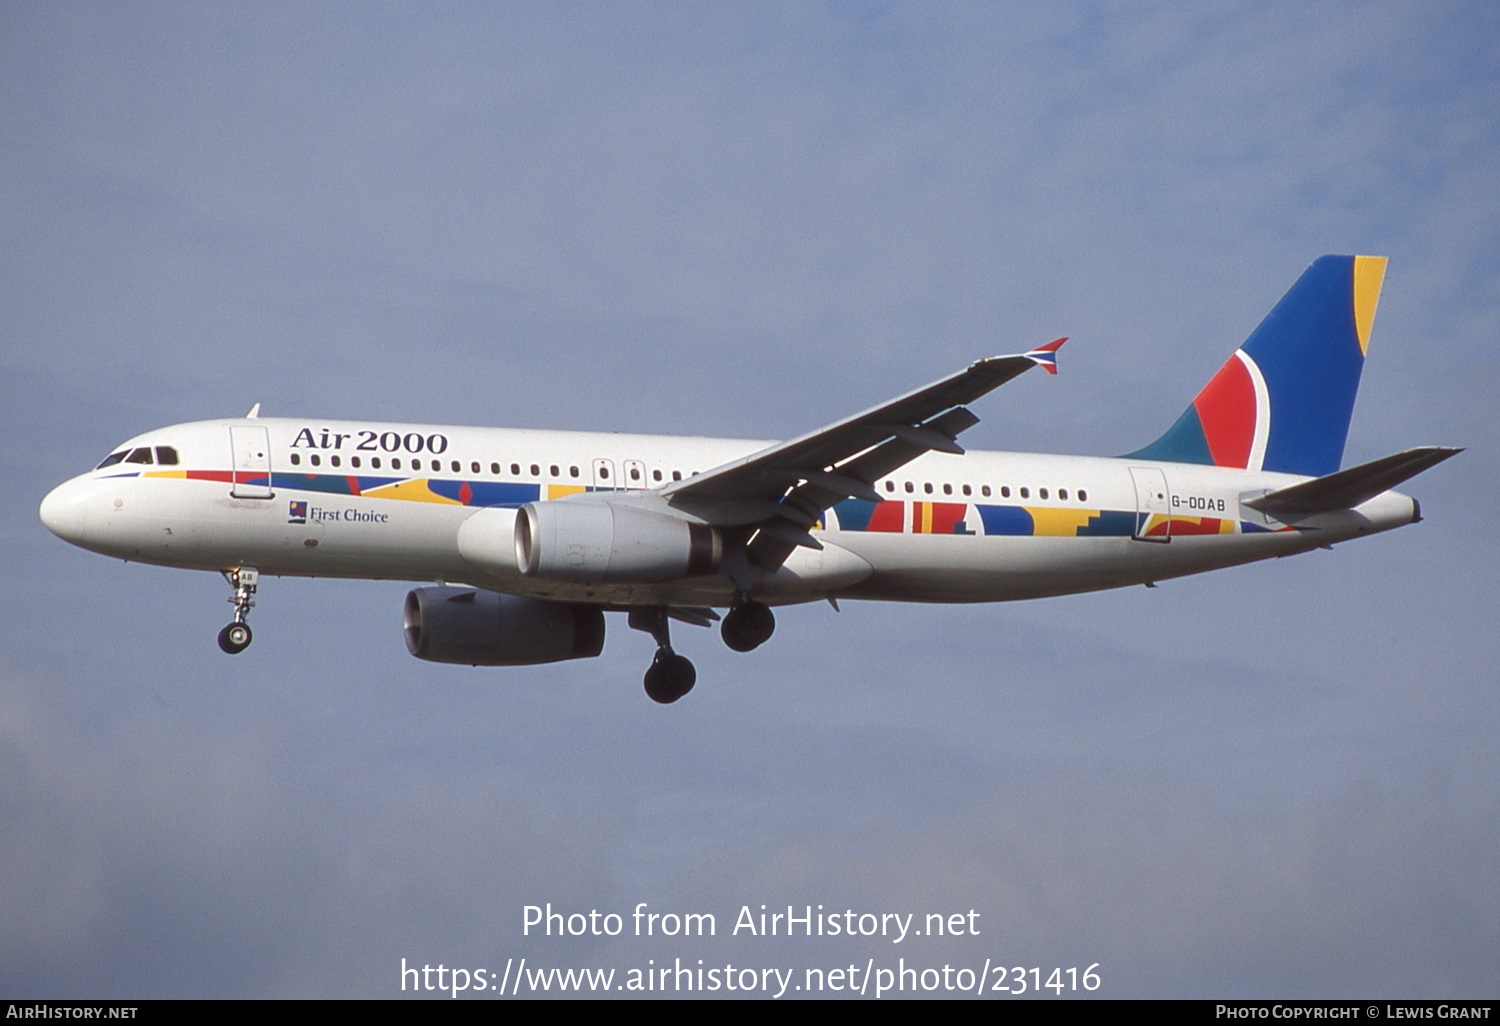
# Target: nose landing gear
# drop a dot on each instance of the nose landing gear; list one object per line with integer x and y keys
{"x": 236, "y": 636}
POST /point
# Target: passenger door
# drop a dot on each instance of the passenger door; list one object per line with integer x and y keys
{"x": 1153, "y": 504}
{"x": 250, "y": 454}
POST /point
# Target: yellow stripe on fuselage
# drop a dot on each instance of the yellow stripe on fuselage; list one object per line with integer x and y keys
{"x": 410, "y": 491}
{"x": 1059, "y": 523}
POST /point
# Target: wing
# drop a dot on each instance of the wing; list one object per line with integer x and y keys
{"x": 779, "y": 493}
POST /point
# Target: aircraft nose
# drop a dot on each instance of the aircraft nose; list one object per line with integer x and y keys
{"x": 65, "y": 510}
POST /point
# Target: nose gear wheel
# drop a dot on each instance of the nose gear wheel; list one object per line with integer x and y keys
{"x": 236, "y": 636}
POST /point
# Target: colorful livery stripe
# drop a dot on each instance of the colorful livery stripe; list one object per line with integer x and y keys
{"x": 954, "y": 518}
{"x": 855, "y": 515}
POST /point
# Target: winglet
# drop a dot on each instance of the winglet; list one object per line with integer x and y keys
{"x": 1046, "y": 356}
{"x": 254, "y": 412}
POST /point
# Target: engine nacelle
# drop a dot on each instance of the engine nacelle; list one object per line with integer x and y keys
{"x": 487, "y": 628}
{"x": 599, "y": 542}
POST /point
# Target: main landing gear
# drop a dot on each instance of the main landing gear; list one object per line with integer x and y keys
{"x": 670, "y": 676}
{"x": 748, "y": 625}
{"x": 236, "y": 636}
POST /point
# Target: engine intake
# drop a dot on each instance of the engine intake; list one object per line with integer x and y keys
{"x": 488, "y": 628}
{"x": 598, "y": 542}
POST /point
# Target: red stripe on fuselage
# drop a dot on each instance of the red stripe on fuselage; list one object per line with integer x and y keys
{"x": 945, "y": 515}
{"x": 887, "y": 517}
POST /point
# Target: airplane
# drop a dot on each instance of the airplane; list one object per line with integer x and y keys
{"x": 524, "y": 539}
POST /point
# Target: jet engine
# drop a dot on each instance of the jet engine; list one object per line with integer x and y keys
{"x": 598, "y": 542}
{"x": 487, "y": 628}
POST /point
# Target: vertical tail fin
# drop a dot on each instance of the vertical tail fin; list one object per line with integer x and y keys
{"x": 1283, "y": 401}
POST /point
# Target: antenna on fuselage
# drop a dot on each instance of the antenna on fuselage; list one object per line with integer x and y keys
{"x": 254, "y": 412}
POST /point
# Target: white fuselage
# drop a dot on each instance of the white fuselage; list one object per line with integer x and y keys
{"x": 434, "y": 503}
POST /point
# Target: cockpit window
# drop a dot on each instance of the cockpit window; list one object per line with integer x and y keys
{"x": 166, "y": 455}
{"x": 112, "y": 459}
{"x": 141, "y": 455}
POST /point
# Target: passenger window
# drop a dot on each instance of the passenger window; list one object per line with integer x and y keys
{"x": 947, "y": 489}
{"x": 553, "y": 469}
{"x": 334, "y": 460}
{"x": 985, "y": 491}
{"x": 572, "y": 471}
{"x": 375, "y": 462}
{"x": 1005, "y": 491}
{"x": 536, "y": 471}
{"x": 890, "y": 486}
{"x": 1062, "y": 493}
{"x": 1083, "y": 496}
{"x": 927, "y": 487}
{"x": 676, "y": 475}
{"x": 354, "y": 460}
{"x": 166, "y": 455}
{"x": 635, "y": 474}
{"x": 656, "y": 475}
{"x": 296, "y": 460}
{"x": 910, "y": 488}
{"x": 604, "y": 473}
{"x": 457, "y": 467}
{"x": 968, "y": 490}
{"x": 437, "y": 465}
{"x": 1042, "y": 493}
{"x": 112, "y": 459}
{"x": 395, "y": 462}
{"x": 1025, "y": 493}
{"x": 316, "y": 460}
{"x": 139, "y": 456}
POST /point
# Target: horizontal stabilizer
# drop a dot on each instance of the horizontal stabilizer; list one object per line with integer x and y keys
{"x": 1346, "y": 489}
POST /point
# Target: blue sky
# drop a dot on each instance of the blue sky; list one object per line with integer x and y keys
{"x": 745, "y": 220}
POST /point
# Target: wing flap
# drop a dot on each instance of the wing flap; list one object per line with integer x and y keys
{"x": 698, "y": 616}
